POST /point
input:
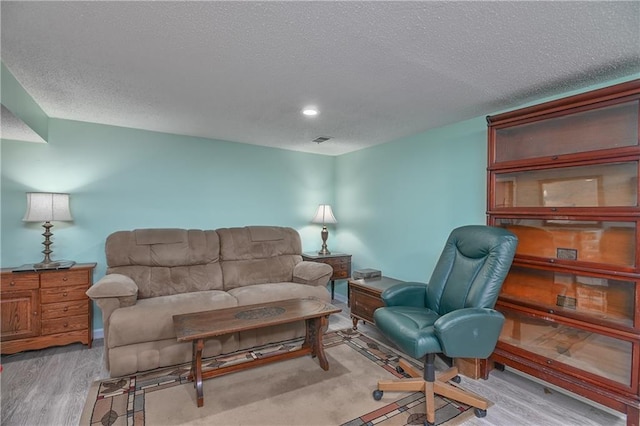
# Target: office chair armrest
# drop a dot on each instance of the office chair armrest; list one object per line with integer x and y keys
{"x": 405, "y": 294}
{"x": 469, "y": 332}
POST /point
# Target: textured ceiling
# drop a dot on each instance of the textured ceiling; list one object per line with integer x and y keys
{"x": 242, "y": 71}
{"x": 15, "y": 129}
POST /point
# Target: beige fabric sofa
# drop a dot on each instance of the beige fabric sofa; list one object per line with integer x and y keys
{"x": 153, "y": 274}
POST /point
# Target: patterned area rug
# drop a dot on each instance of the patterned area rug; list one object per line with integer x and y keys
{"x": 295, "y": 391}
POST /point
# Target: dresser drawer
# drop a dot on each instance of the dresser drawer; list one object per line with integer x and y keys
{"x": 337, "y": 262}
{"x": 65, "y": 309}
{"x": 340, "y": 274}
{"x": 341, "y": 267}
{"x": 64, "y": 278}
{"x": 63, "y": 325}
{"x": 62, "y": 294}
{"x": 364, "y": 305}
{"x": 13, "y": 282}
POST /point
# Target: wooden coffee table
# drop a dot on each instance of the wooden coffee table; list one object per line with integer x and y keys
{"x": 198, "y": 326}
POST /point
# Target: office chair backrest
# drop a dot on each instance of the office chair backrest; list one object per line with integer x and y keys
{"x": 471, "y": 268}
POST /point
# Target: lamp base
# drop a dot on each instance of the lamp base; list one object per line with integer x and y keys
{"x": 324, "y": 234}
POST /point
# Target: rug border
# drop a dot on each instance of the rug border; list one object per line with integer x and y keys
{"x": 346, "y": 336}
{"x": 92, "y": 395}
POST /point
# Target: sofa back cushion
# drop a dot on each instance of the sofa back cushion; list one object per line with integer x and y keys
{"x": 258, "y": 255}
{"x": 166, "y": 261}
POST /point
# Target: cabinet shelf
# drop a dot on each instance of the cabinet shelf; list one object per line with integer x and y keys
{"x": 579, "y": 349}
{"x": 563, "y": 177}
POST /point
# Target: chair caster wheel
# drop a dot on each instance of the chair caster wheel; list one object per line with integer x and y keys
{"x": 377, "y": 394}
{"x": 426, "y": 423}
{"x": 480, "y": 413}
{"x": 456, "y": 379}
{"x": 399, "y": 369}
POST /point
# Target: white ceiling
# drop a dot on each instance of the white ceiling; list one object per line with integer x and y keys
{"x": 242, "y": 71}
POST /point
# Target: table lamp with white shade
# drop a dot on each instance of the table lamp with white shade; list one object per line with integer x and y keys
{"x": 48, "y": 207}
{"x": 324, "y": 215}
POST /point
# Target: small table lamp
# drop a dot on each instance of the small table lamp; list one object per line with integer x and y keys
{"x": 47, "y": 207}
{"x": 324, "y": 215}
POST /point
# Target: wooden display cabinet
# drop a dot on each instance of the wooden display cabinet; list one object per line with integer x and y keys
{"x": 563, "y": 176}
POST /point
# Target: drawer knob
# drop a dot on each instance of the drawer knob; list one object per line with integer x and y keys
{"x": 12, "y": 283}
{"x": 65, "y": 279}
{"x": 65, "y": 309}
{"x": 65, "y": 294}
{"x": 549, "y": 362}
{"x": 66, "y": 324}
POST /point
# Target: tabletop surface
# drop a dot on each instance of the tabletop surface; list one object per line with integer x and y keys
{"x": 199, "y": 325}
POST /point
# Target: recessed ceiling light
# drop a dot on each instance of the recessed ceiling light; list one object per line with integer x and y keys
{"x": 310, "y": 111}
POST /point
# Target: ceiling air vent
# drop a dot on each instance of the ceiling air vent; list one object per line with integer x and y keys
{"x": 320, "y": 139}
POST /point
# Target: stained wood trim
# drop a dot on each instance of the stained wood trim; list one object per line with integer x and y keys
{"x": 620, "y": 93}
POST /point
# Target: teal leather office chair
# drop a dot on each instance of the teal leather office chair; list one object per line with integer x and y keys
{"x": 452, "y": 314}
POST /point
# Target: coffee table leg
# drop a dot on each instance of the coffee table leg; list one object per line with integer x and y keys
{"x": 355, "y": 322}
{"x": 196, "y": 369}
{"x": 314, "y": 338}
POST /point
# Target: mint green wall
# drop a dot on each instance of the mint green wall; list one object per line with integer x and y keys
{"x": 398, "y": 202}
{"x": 122, "y": 178}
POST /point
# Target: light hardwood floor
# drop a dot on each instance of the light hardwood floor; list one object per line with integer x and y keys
{"x": 49, "y": 387}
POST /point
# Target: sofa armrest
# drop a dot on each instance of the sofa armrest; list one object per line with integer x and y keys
{"x": 312, "y": 273}
{"x": 113, "y": 285}
{"x": 111, "y": 292}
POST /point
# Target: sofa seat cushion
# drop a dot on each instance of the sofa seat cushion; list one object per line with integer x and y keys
{"x": 272, "y": 292}
{"x": 152, "y": 319}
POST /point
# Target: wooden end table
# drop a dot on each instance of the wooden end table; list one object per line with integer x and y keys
{"x": 198, "y": 326}
{"x": 364, "y": 297}
{"x": 340, "y": 262}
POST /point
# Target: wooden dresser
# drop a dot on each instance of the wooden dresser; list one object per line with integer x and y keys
{"x": 563, "y": 176}
{"x": 45, "y": 308}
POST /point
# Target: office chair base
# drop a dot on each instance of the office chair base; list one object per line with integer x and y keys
{"x": 440, "y": 387}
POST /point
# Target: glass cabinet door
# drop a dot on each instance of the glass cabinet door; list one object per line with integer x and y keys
{"x": 597, "y": 299}
{"x": 609, "y": 243}
{"x": 600, "y": 185}
{"x": 614, "y": 126}
{"x": 570, "y": 348}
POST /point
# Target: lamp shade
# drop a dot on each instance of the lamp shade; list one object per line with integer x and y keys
{"x": 324, "y": 215}
{"x": 47, "y": 207}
